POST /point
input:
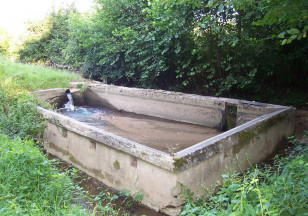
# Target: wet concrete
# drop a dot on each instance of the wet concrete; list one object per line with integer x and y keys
{"x": 161, "y": 134}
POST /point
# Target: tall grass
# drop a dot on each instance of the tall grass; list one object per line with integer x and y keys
{"x": 28, "y": 183}
{"x": 33, "y": 77}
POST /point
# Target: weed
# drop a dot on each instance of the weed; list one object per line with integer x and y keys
{"x": 281, "y": 189}
{"x": 127, "y": 200}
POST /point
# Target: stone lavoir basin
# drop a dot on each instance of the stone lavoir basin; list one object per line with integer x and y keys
{"x": 154, "y": 141}
{"x": 158, "y": 133}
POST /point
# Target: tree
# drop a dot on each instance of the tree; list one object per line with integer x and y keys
{"x": 4, "y": 41}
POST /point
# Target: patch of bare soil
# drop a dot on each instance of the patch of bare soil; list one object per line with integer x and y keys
{"x": 301, "y": 122}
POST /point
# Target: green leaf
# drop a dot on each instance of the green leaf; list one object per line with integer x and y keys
{"x": 284, "y": 42}
{"x": 114, "y": 197}
{"x": 281, "y": 35}
{"x": 210, "y": 3}
{"x": 220, "y": 8}
{"x": 293, "y": 31}
{"x": 224, "y": 176}
{"x": 250, "y": 209}
{"x": 291, "y": 38}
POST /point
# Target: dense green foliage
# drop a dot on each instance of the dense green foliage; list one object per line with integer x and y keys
{"x": 290, "y": 15}
{"x": 280, "y": 189}
{"x": 18, "y": 116}
{"x": 28, "y": 183}
{"x": 211, "y": 47}
{"x": 47, "y": 39}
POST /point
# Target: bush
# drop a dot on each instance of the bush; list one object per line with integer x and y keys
{"x": 204, "y": 47}
{"x": 18, "y": 114}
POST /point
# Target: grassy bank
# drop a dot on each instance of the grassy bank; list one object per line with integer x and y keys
{"x": 33, "y": 77}
{"x": 28, "y": 183}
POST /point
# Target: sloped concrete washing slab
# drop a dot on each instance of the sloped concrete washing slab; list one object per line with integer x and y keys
{"x": 155, "y": 168}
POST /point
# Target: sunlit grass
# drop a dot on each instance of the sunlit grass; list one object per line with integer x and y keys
{"x": 33, "y": 77}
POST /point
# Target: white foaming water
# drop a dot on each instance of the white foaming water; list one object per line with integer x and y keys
{"x": 70, "y": 103}
{"x": 89, "y": 115}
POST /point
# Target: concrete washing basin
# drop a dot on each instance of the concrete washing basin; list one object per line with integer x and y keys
{"x": 162, "y": 140}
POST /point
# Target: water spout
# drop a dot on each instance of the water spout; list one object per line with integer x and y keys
{"x": 70, "y": 103}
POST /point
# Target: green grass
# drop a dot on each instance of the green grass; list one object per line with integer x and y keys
{"x": 18, "y": 114}
{"x": 29, "y": 185}
{"x": 278, "y": 189}
{"x": 33, "y": 77}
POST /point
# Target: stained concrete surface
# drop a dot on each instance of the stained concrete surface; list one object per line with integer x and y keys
{"x": 161, "y": 134}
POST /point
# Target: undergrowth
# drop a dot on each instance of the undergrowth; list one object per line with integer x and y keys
{"x": 28, "y": 183}
{"x": 18, "y": 115}
{"x": 278, "y": 189}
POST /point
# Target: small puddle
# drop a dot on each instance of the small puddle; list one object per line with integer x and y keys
{"x": 161, "y": 134}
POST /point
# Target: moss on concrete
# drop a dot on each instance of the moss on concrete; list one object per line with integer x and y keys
{"x": 116, "y": 165}
{"x": 95, "y": 172}
{"x": 57, "y": 148}
{"x": 63, "y": 132}
{"x": 109, "y": 177}
{"x": 264, "y": 126}
{"x": 244, "y": 138}
{"x": 178, "y": 163}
